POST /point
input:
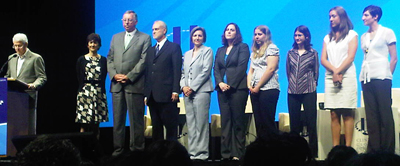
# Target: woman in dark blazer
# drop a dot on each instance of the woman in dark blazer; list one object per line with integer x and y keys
{"x": 91, "y": 106}
{"x": 231, "y": 61}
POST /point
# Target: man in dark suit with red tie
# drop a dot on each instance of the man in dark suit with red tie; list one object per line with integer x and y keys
{"x": 163, "y": 72}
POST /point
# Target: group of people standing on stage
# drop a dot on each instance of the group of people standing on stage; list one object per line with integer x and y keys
{"x": 154, "y": 74}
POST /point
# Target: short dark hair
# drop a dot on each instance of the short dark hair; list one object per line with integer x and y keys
{"x": 167, "y": 153}
{"x": 238, "y": 37}
{"x": 374, "y": 158}
{"x": 285, "y": 148}
{"x": 94, "y": 37}
{"x": 306, "y": 32}
{"x": 198, "y": 29}
{"x": 374, "y": 11}
{"x": 339, "y": 155}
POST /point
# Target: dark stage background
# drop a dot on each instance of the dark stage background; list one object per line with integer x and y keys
{"x": 57, "y": 30}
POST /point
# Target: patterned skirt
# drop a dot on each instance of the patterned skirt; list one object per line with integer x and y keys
{"x": 91, "y": 105}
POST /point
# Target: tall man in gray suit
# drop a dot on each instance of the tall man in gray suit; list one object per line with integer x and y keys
{"x": 163, "y": 73}
{"x": 27, "y": 67}
{"x": 125, "y": 63}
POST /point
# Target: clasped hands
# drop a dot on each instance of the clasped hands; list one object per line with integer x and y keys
{"x": 337, "y": 78}
{"x": 254, "y": 90}
{"x": 121, "y": 78}
{"x": 174, "y": 98}
{"x": 224, "y": 87}
{"x": 187, "y": 91}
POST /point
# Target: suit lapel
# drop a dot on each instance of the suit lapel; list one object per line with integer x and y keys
{"x": 13, "y": 67}
{"x": 231, "y": 53}
{"x": 163, "y": 48}
{"x": 133, "y": 40}
{"x": 188, "y": 59}
{"x": 153, "y": 55}
{"x": 200, "y": 53}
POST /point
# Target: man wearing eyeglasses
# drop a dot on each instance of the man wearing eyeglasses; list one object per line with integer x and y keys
{"x": 28, "y": 67}
{"x": 125, "y": 63}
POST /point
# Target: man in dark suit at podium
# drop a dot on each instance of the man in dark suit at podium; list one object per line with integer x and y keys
{"x": 163, "y": 72}
{"x": 28, "y": 67}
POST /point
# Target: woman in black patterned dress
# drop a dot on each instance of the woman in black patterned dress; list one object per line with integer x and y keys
{"x": 91, "y": 106}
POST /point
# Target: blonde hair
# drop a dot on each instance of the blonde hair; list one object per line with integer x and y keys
{"x": 259, "y": 50}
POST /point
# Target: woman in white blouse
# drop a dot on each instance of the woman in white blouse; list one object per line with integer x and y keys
{"x": 376, "y": 80}
{"x": 337, "y": 56}
{"x": 262, "y": 81}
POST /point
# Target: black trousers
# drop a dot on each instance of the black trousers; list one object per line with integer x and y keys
{"x": 308, "y": 101}
{"x": 163, "y": 114}
{"x": 232, "y": 105}
{"x": 378, "y": 110}
{"x": 264, "y": 109}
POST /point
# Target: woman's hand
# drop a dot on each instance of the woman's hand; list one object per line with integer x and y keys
{"x": 187, "y": 91}
{"x": 224, "y": 87}
{"x": 254, "y": 90}
{"x": 337, "y": 78}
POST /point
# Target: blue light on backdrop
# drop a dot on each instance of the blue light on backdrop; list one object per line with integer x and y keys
{"x": 281, "y": 16}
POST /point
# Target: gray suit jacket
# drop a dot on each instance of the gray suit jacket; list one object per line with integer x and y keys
{"x": 198, "y": 70}
{"x": 32, "y": 71}
{"x": 129, "y": 61}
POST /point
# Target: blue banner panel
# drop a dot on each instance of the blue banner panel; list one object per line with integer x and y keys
{"x": 3, "y": 116}
{"x": 3, "y": 100}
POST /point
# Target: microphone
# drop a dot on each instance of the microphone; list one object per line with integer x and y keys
{"x": 2, "y": 67}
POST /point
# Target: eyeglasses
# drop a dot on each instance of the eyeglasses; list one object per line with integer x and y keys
{"x": 17, "y": 46}
{"x": 128, "y": 20}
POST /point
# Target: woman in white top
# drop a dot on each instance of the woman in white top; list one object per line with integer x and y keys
{"x": 337, "y": 56}
{"x": 262, "y": 81}
{"x": 376, "y": 80}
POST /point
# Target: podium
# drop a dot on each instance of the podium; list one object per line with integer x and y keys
{"x": 14, "y": 110}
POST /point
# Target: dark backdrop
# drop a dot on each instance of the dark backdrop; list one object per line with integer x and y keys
{"x": 57, "y": 30}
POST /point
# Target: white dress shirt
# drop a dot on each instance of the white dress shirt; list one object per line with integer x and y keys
{"x": 20, "y": 61}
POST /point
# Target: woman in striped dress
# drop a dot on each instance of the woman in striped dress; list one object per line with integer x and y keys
{"x": 302, "y": 72}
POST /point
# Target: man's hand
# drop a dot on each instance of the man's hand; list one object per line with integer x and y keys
{"x": 31, "y": 86}
{"x": 122, "y": 78}
{"x": 174, "y": 97}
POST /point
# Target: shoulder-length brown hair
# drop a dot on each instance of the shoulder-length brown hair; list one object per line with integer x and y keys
{"x": 238, "y": 37}
{"x": 344, "y": 27}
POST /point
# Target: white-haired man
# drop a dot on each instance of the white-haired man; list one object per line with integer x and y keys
{"x": 28, "y": 67}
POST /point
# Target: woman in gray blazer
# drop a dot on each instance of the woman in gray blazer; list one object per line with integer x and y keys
{"x": 197, "y": 87}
